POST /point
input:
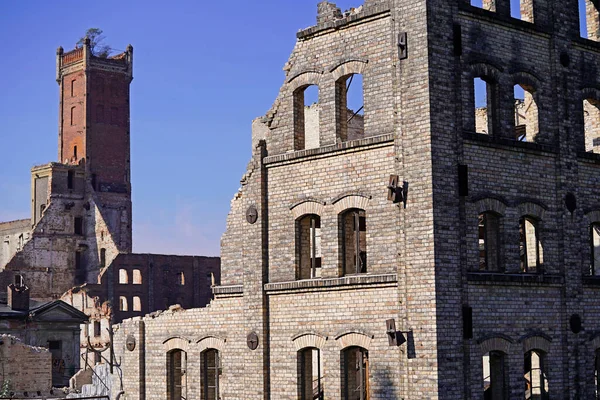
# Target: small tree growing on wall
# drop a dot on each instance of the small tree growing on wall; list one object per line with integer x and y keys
{"x": 98, "y": 48}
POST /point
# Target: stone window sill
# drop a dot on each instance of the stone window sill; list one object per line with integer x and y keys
{"x": 360, "y": 280}
{"x": 498, "y": 277}
{"x": 508, "y": 144}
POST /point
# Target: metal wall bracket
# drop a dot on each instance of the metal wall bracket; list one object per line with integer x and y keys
{"x": 397, "y": 194}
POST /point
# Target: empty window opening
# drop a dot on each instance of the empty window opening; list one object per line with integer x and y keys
{"x": 536, "y": 382}
{"x": 180, "y": 278}
{"x": 310, "y": 374}
{"x": 97, "y": 327}
{"x": 70, "y": 176}
{"x": 78, "y": 225}
{"x": 123, "y": 276}
{"x": 495, "y": 375}
{"x": 530, "y": 249}
{"x": 94, "y": 181}
{"x": 102, "y": 258}
{"x": 114, "y": 116}
{"x": 353, "y": 227}
{"x": 137, "y": 303}
{"x": 306, "y": 117}
{"x": 591, "y": 121}
{"x": 308, "y": 245}
{"x": 100, "y": 113}
{"x": 522, "y": 9}
{"x": 73, "y": 87}
{"x": 137, "y": 277}
{"x": 123, "y": 303}
{"x": 589, "y": 20}
{"x": 211, "y": 369}
{"x": 72, "y": 115}
{"x": 355, "y": 373}
{"x": 78, "y": 261}
{"x": 42, "y": 208}
{"x": 484, "y": 101}
{"x": 177, "y": 375}
{"x": 19, "y": 280}
{"x": 526, "y": 113}
{"x": 595, "y": 249}
{"x": 596, "y": 372}
{"x": 489, "y": 241}
{"x": 349, "y": 100}
{"x": 75, "y": 153}
{"x": 489, "y": 5}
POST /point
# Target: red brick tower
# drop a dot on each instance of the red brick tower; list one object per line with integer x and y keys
{"x": 94, "y": 115}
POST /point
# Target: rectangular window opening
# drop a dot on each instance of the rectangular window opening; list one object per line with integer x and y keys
{"x": 78, "y": 225}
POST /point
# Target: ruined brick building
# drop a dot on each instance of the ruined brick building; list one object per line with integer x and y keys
{"x": 77, "y": 246}
{"x": 480, "y": 245}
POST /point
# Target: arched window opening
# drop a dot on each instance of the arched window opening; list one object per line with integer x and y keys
{"x": 484, "y": 105}
{"x": 123, "y": 303}
{"x": 530, "y": 248}
{"x": 536, "y": 381}
{"x": 526, "y": 113}
{"x": 181, "y": 278}
{"x": 308, "y": 247}
{"x": 353, "y": 229}
{"x": 177, "y": 375}
{"x": 489, "y": 241}
{"x": 137, "y": 303}
{"x": 211, "y": 369}
{"x": 102, "y": 258}
{"x": 589, "y": 18}
{"x": 310, "y": 374}
{"x": 137, "y": 277}
{"x": 495, "y": 374}
{"x": 522, "y": 10}
{"x": 349, "y": 113}
{"x": 73, "y": 115}
{"x": 595, "y": 249}
{"x": 306, "y": 117}
{"x": 355, "y": 373}
{"x": 123, "y": 277}
{"x": 73, "y": 87}
{"x": 591, "y": 122}
{"x": 489, "y": 5}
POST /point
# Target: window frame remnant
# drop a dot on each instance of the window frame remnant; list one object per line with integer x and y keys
{"x": 342, "y": 88}
{"x": 359, "y": 243}
{"x": 355, "y": 359}
{"x": 533, "y": 373}
{"x": 137, "y": 303}
{"x": 123, "y": 304}
{"x": 525, "y": 241}
{"x": 123, "y": 276}
{"x": 526, "y": 132}
{"x": 489, "y": 241}
{"x": 299, "y": 107}
{"x": 308, "y": 247}
{"x": 497, "y": 372}
{"x": 310, "y": 388}
{"x": 491, "y": 100}
{"x": 176, "y": 374}
{"x": 210, "y": 371}
{"x": 595, "y": 249}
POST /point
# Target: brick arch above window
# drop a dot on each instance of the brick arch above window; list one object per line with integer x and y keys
{"x": 309, "y": 339}
{"x": 304, "y": 79}
{"x": 307, "y": 206}
{"x": 354, "y": 338}
{"x": 590, "y": 93}
{"x": 495, "y": 343}
{"x": 485, "y": 70}
{"x": 488, "y": 204}
{"x": 211, "y": 342}
{"x": 349, "y": 67}
{"x": 351, "y": 200}
{"x": 536, "y": 340}
{"x": 526, "y": 78}
{"x": 536, "y": 210}
{"x": 593, "y": 216}
{"x": 176, "y": 343}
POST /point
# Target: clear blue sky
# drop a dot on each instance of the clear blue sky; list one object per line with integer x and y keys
{"x": 203, "y": 71}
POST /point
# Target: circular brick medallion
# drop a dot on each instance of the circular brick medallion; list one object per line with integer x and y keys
{"x": 130, "y": 343}
{"x": 252, "y": 341}
{"x": 252, "y": 215}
